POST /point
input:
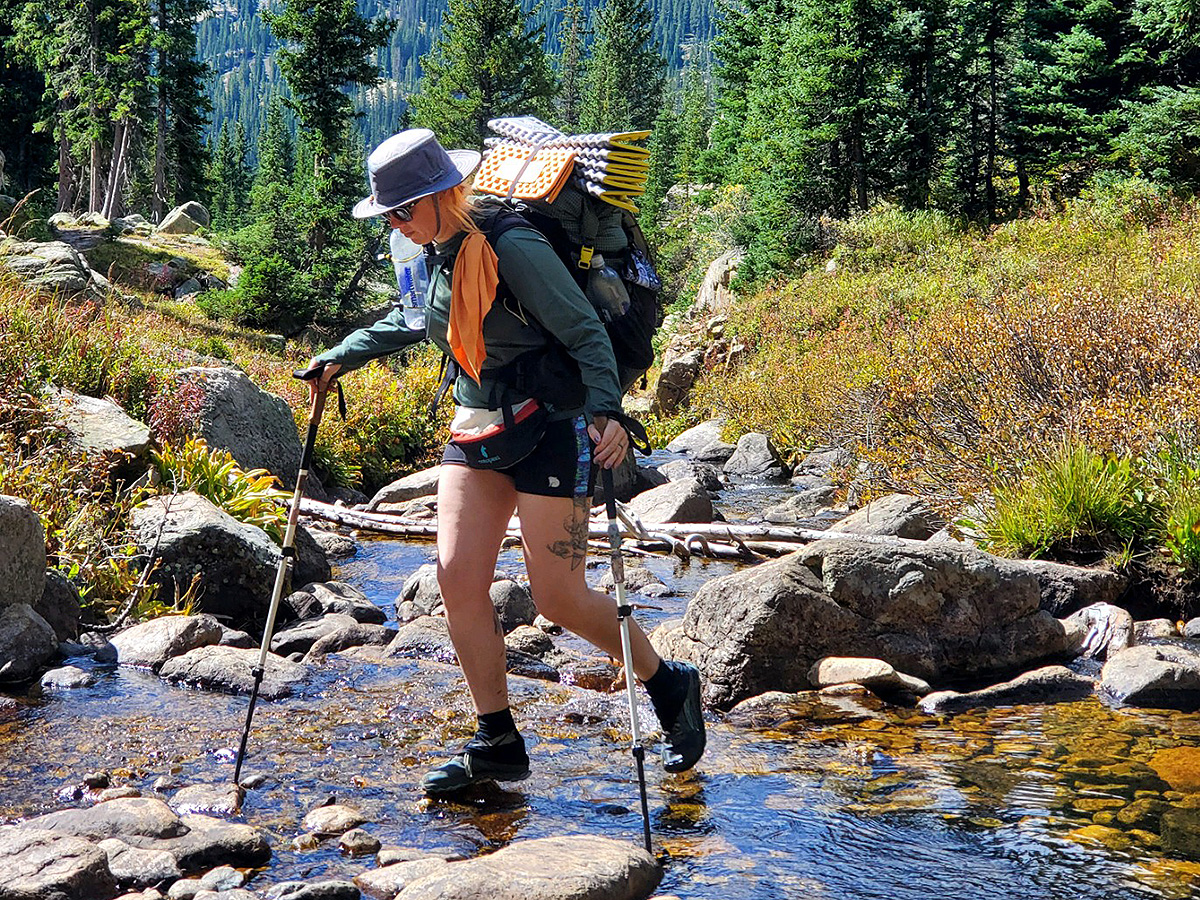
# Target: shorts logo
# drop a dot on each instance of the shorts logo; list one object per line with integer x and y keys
{"x": 553, "y": 481}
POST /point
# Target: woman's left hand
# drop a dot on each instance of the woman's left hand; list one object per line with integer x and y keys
{"x": 612, "y": 443}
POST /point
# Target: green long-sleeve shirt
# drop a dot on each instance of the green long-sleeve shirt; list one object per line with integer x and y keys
{"x": 545, "y": 291}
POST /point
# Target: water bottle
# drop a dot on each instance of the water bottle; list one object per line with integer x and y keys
{"x": 606, "y": 290}
{"x": 411, "y": 279}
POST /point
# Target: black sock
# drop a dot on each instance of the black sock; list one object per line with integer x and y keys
{"x": 497, "y": 738}
{"x": 667, "y": 690}
{"x": 496, "y": 724}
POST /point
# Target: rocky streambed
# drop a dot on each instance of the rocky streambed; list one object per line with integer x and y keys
{"x": 835, "y": 766}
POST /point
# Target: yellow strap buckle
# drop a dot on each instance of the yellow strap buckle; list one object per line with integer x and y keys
{"x": 585, "y": 257}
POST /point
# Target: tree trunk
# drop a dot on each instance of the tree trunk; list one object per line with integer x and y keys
{"x": 64, "y": 164}
{"x": 158, "y": 200}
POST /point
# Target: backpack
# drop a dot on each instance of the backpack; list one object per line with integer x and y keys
{"x": 578, "y": 227}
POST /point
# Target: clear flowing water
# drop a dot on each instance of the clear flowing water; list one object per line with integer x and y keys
{"x": 838, "y": 798}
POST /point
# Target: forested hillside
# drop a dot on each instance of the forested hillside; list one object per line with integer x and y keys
{"x": 235, "y": 42}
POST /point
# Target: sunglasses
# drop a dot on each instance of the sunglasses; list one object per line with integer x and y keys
{"x": 403, "y": 213}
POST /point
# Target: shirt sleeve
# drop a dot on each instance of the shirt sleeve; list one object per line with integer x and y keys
{"x": 385, "y": 337}
{"x": 542, "y": 285}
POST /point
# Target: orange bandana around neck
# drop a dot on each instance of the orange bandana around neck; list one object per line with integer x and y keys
{"x": 472, "y": 291}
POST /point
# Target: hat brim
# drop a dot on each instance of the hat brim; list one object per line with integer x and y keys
{"x": 465, "y": 162}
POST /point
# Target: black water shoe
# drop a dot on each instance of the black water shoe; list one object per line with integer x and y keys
{"x": 678, "y": 707}
{"x": 482, "y": 759}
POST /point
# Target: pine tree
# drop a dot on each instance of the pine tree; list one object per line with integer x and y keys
{"x": 329, "y": 46}
{"x": 276, "y": 163}
{"x": 181, "y": 112}
{"x": 626, "y": 70}
{"x": 572, "y": 35}
{"x": 488, "y": 62}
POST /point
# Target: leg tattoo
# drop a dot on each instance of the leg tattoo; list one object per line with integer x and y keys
{"x": 574, "y": 547}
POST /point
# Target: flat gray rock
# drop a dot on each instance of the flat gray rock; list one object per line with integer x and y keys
{"x": 22, "y": 553}
{"x": 127, "y": 818}
{"x": 152, "y": 643}
{"x": 897, "y": 515}
{"x": 1068, "y": 589}
{"x": 1050, "y": 684}
{"x": 410, "y": 487}
{"x": 717, "y": 452}
{"x": 66, "y": 678}
{"x": 556, "y": 868}
{"x": 873, "y": 674}
{"x": 206, "y": 799}
{"x": 676, "y": 501}
{"x": 102, "y": 429}
{"x": 229, "y": 669}
{"x": 390, "y": 881}
{"x": 36, "y": 864}
{"x": 697, "y": 437}
{"x": 137, "y": 868}
{"x": 314, "y": 890}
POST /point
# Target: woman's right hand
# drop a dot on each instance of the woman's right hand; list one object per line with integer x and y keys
{"x": 324, "y": 381}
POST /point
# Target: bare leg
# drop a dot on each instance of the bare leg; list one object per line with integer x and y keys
{"x": 474, "y": 507}
{"x": 554, "y": 535}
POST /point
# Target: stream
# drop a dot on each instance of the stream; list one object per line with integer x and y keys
{"x": 842, "y": 798}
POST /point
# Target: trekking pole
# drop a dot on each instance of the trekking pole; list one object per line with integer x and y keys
{"x": 624, "y": 611}
{"x": 286, "y": 559}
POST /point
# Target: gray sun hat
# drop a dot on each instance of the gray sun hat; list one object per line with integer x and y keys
{"x": 410, "y": 165}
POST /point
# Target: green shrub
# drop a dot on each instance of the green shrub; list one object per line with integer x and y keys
{"x": 1175, "y": 471}
{"x": 271, "y": 293}
{"x": 887, "y": 235}
{"x": 252, "y": 497}
{"x": 1075, "y": 500}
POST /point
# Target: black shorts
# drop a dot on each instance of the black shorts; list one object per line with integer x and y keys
{"x": 559, "y": 466}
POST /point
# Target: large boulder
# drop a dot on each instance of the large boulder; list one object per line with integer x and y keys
{"x": 102, "y": 429}
{"x": 36, "y": 864}
{"x": 152, "y": 643}
{"x": 756, "y": 459}
{"x": 54, "y": 267}
{"x": 231, "y": 670}
{"x": 27, "y": 643}
{"x": 22, "y": 553}
{"x": 1068, "y": 589}
{"x": 896, "y": 515}
{"x": 936, "y": 612}
{"x": 190, "y": 536}
{"x": 177, "y": 221}
{"x": 675, "y": 501}
{"x": 256, "y": 428}
{"x": 578, "y": 867}
{"x": 410, "y": 487}
{"x": 1160, "y": 676}
{"x": 802, "y": 505}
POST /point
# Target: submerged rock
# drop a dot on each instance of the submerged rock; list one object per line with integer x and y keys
{"x": 67, "y": 678}
{"x": 208, "y": 799}
{"x": 335, "y": 818}
{"x": 1051, "y": 684}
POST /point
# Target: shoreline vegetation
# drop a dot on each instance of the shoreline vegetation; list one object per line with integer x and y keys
{"x": 1035, "y": 380}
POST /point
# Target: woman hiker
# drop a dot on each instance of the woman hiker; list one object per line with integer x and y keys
{"x": 421, "y": 189}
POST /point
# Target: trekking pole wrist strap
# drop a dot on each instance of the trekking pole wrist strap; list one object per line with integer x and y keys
{"x": 638, "y": 438}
